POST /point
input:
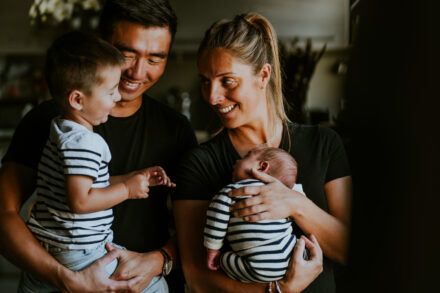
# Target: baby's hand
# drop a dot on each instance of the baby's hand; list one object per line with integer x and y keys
{"x": 213, "y": 259}
{"x": 137, "y": 186}
{"x": 158, "y": 176}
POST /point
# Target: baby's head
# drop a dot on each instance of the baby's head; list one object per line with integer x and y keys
{"x": 83, "y": 74}
{"x": 273, "y": 161}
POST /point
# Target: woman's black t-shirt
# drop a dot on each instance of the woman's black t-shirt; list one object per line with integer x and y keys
{"x": 318, "y": 151}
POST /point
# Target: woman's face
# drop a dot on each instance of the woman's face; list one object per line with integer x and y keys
{"x": 231, "y": 88}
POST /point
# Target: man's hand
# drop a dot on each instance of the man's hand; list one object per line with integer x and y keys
{"x": 93, "y": 278}
{"x": 133, "y": 265}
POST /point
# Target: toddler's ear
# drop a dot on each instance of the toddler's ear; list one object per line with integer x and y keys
{"x": 264, "y": 167}
{"x": 76, "y": 100}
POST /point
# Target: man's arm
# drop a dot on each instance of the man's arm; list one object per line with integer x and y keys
{"x": 17, "y": 182}
{"x": 18, "y": 244}
{"x": 143, "y": 265}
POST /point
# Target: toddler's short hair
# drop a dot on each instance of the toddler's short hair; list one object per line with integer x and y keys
{"x": 73, "y": 62}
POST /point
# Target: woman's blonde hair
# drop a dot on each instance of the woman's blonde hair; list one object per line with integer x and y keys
{"x": 251, "y": 38}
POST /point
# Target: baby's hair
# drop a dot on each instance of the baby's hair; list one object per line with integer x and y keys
{"x": 283, "y": 165}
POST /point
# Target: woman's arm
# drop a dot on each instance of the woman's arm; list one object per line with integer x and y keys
{"x": 274, "y": 200}
{"x": 190, "y": 220}
{"x": 190, "y": 217}
{"x": 18, "y": 244}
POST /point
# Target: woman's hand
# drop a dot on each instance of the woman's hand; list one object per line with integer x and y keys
{"x": 302, "y": 272}
{"x": 144, "y": 266}
{"x": 271, "y": 201}
{"x": 275, "y": 201}
{"x": 94, "y": 279}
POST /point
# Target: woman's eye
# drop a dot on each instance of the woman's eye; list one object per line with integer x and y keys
{"x": 228, "y": 81}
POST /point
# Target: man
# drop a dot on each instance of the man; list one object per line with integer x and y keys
{"x": 140, "y": 133}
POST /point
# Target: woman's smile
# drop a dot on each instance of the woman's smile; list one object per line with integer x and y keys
{"x": 231, "y": 88}
{"x": 227, "y": 109}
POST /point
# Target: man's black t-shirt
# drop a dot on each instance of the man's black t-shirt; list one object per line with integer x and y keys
{"x": 154, "y": 135}
{"x": 318, "y": 151}
{"x": 31, "y": 134}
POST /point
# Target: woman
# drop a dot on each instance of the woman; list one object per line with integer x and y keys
{"x": 241, "y": 80}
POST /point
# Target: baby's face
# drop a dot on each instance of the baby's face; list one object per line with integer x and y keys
{"x": 242, "y": 168}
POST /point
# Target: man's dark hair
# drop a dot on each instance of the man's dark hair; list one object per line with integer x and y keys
{"x": 73, "y": 62}
{"x": 148, "y": 13}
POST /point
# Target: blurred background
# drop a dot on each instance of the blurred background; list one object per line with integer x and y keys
{"x": 315, "y": 36}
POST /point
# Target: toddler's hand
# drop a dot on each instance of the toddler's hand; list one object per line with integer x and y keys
{"x": 158, "y": 176}
{"x": 213, "y": 259}
{"x": 137, "y": 186}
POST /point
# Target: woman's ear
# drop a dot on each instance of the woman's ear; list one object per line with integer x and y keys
{"x": 264, "y": 76}
{"x": 76, "y": 100}
{"x": 264, "y": 166}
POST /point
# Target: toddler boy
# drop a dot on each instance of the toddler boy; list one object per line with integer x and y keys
{"x": 72, "y": 215}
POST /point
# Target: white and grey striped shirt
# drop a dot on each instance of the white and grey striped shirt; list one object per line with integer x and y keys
{"x": 261, "y": 250}
{"x": 70, "y": 150}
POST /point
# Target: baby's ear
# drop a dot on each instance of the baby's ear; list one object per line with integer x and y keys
{"x": 76, "y": 100}
{"x": 264, "y": 167}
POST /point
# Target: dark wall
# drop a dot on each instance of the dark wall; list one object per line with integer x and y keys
{"x": 392, "y": 129}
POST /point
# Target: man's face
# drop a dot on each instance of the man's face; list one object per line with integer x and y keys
{"x": 146, "y": 52}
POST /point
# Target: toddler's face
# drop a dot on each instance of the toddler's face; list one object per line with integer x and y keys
{"x": 242, "y": 168}
{"x": 104, "y": 96}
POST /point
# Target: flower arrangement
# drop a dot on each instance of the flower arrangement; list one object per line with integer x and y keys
{"x": 298, "y": 67}
{"x": 57, "y": 11}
